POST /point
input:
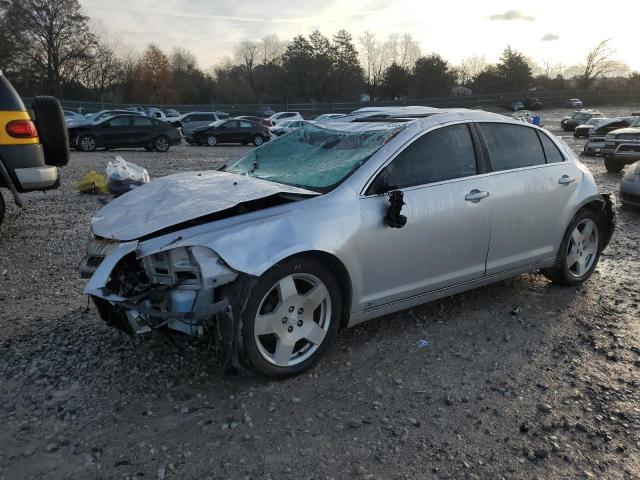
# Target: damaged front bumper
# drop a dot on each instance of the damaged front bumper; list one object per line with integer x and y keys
{"x": 176, "y": 289}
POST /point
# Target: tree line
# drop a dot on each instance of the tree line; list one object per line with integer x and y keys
{"x": 50, "y": 46}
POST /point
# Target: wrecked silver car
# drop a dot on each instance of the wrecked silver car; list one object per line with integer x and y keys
{"x": 330, "y": 226}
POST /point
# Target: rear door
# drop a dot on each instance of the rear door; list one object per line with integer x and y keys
{"x": 228, "y": 132}
{"x": 143, "y": 131}
{"x": 446, "y": 237}
{"x": 245, "y": 131}
{"x": 531, "y": 185}
{"x": 116, "y": 132}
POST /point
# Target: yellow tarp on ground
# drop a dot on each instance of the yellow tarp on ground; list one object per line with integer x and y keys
{"x": 92, "y": 182}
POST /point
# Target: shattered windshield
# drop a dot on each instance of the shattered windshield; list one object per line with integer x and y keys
{"x": 313, "y": 157}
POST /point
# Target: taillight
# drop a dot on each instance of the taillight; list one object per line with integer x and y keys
{"x": 22, "y": 129}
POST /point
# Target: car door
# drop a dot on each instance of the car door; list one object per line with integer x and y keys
{"x": 245, "y": 131}
{"x": 446, "y": 237}
{"x": 116, "y": 132}
{"x": 143, "y": 131}
{"x": 531, "y": 185}
{"x": 228, "y": 132}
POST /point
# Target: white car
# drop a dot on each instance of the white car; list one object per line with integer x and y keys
{"x": 288, "y": 126}
{"x": 71, "y": 116}
{"x": 329, "y": 116}
{"x": 276, "y": 118}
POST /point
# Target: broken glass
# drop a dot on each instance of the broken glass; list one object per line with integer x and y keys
{"x": 314, "y": 157}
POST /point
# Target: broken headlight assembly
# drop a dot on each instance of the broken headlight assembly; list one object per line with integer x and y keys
{"x": 174, "y": 287}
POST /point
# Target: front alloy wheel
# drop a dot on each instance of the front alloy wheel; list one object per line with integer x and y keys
{"x": 292, "y": 316}
{"x": 212, "y": 141}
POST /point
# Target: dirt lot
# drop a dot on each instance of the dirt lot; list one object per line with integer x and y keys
{"x": 520, "y": 379}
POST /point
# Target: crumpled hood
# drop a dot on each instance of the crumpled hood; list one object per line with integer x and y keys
{"x": 178, "y": 198}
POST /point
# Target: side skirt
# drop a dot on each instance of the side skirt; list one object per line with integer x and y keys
{"x": 410, "y": 302}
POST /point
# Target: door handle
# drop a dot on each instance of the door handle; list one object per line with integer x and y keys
{"x": 475, "y": 196}
{"x": 566, "y": 180}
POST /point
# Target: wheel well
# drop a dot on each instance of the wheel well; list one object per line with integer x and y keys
{"x": 342, "y": 276}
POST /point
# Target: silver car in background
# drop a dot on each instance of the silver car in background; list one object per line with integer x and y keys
{"x": 328, "y": 227}
{"x": 630, "y": 186}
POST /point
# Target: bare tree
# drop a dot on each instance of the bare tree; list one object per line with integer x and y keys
{"x": 55, "y": 36}
{"x": 371, "y": 57}
{"x": 551, "y": 70}
{"x": 599, "y": 63}
{"x": 271, "y": 49}
{"x": 104, "y": 68}
{"x": 470, "y": 68}
{"x": 182, "y": 60}
{"x": 247, "y": 54}
{"x": 409, "y": 51}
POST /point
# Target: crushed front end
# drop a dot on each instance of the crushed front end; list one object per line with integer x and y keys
{"x": 171, "y": 290}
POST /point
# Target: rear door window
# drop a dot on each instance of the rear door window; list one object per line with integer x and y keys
{"x": 119, "y": 122}
{"x": 142, "y": 122}
{"x": 245, "y": 124}
{"x": 512, "y": 146}
{"x": 443, "y": 154}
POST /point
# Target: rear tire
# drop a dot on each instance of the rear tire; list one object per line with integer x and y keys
{"x": 52, "y": 130}
{"x": 161, "y": 144}
{"x": 613, "y": 166}
{"x": 579, "y": 252}
{"x": 87, "y": 143}
{"x": 258, "y": 140}
{"x": 316, "y": 290}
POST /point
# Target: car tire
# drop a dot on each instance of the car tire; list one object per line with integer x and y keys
{"x": 87, "y": 143}
{"x": 161, "y": 144}
{"x": 2, "y": 207}
{"x": 300, "y": 281}
{"x": 613, "y": 166}
{"x": 52, "y": 130}
{"x": 212, "y": 141}
{"x": 579, "y": 252}
{"x": 258, "y": 140}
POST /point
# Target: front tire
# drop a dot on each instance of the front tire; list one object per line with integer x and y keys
{"x": 291, "y": 317}
{"x": 87, "y": 143}
{"x": 212, "y": 141}
{"x": 579, "y": 251}
{"x": 613, "y": 166}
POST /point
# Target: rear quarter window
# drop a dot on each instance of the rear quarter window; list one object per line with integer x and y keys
{"x": 550, "y": 149}
{"x": 512, "y": 146}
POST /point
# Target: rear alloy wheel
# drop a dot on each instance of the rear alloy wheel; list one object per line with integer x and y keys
{"x": 579, "y": 251}
{"x": 613, "y": 166}
{"x": 161, "y": 143}
{"x": 292, "y": 316}
{"x": 258, "y": 140}
{"x": 87, "y": 143}
{"x": 212, "y": 141}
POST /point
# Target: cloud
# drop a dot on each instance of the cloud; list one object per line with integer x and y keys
{"x": 550, "y": 37}
{"x": 511, "y": 15}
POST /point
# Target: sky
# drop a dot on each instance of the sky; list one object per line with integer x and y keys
{"x": 545, "y": 30}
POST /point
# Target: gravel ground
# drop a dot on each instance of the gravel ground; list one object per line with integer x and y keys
{"x": 520, "y": 379}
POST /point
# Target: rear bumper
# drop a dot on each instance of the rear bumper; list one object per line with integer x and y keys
{"x": 37, "y": 178}
{"x": 26, "y": 167}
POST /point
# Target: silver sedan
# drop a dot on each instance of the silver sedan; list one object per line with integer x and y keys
{"x": 328, "y": 227}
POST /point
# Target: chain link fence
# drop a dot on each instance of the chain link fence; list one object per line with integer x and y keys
{"x": 590, "y": 98}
